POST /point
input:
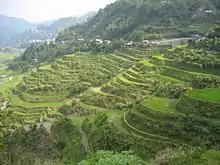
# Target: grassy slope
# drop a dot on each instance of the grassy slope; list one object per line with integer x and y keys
{"x": 206, "y": 94}
{"x": 161, "y": 104}
{"x": 147, "y": 63}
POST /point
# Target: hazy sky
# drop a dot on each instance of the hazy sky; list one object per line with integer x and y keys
{"x": 42, "y": 10}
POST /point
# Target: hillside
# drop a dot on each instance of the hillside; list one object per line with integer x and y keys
{"x": 149, "y": 19}
{"x": 163, "y": 106}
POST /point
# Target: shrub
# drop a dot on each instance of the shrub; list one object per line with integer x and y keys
{"x": 113, "y": 158}
{"x": 175, "y": 91}
{"x": 202, "y": 82}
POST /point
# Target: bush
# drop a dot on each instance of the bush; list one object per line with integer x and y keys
{"x": 175, "y": 91}
{"x": 202, "y": 82}
{"x": 113, "y": 158}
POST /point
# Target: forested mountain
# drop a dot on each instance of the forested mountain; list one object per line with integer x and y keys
{"x": 10, "y": 26}
{"x": 43, "y": 31}
{"x": 137, "y": 18}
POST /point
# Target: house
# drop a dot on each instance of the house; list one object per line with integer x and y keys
{"x": 99, "y": 41}
{"x": 80, "y": 39}
{"x": 130, "y": 43}
{"x": 35, "y": 41}
{"x": 146, "y": 41}
{"x": 208, "y": 11}
{"x": 107, "y": 41}
{"x": 63, "y": 42}
{"x": 197, "y": 37}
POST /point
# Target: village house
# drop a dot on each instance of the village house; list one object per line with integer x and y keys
{"x": 107, "y": 41}
{"x": 146, "y": 41}
{"x": 130, "y": 43}
{"x": 99, "y": 41}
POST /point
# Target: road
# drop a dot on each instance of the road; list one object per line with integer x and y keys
{"x": 170, "y": 41}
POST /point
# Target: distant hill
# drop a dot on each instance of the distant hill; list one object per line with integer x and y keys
{"x": 62, "y": 23}
{"x": 43, "y": 31}
{"x": 135, "y": 19}
{"x": 18, "y": 25}
{"x": 10, "y": 26}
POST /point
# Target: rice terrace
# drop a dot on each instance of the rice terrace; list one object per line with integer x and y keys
{"x": 77, "y": 100}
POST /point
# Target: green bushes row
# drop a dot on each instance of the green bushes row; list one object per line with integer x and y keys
{"x": 202, "y": 82}
{"x": 147, "y": 111}
{"x": 191, "y": 129}
{"x": 190, "y": 105}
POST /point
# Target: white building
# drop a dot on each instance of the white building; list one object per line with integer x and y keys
{"x": 107, "y": 41}
{"x": 146, "y": 41}
{"x": 35, "y": 41}
{"x": 80, "y": 39}
{"x": 130, "y": 43}
{"x": 98, "y": 40}
{"x": 208, "y": 11}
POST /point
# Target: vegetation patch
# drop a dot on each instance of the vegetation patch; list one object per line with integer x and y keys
{"x": 161, "y": 104}
{"x": 212, "y": 95}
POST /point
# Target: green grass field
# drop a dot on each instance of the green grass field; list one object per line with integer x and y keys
{"x": 71, "y": 55}
{"x": 161, "y": 57}
{"x": 45, "y": 67}
{"x": 206, "y": 94}
{"x": 147, "y": 63}
{"x": 161, "y": 104}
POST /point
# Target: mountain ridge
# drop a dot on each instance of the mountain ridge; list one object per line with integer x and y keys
{"x": 134, "y": 19}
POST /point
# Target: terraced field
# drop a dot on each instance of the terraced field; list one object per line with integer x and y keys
{"x": 169, "y": 117}
{"x": 159, "y": 117}
{"x": 42, "y": 91}
{"x": 136, "y": 89}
